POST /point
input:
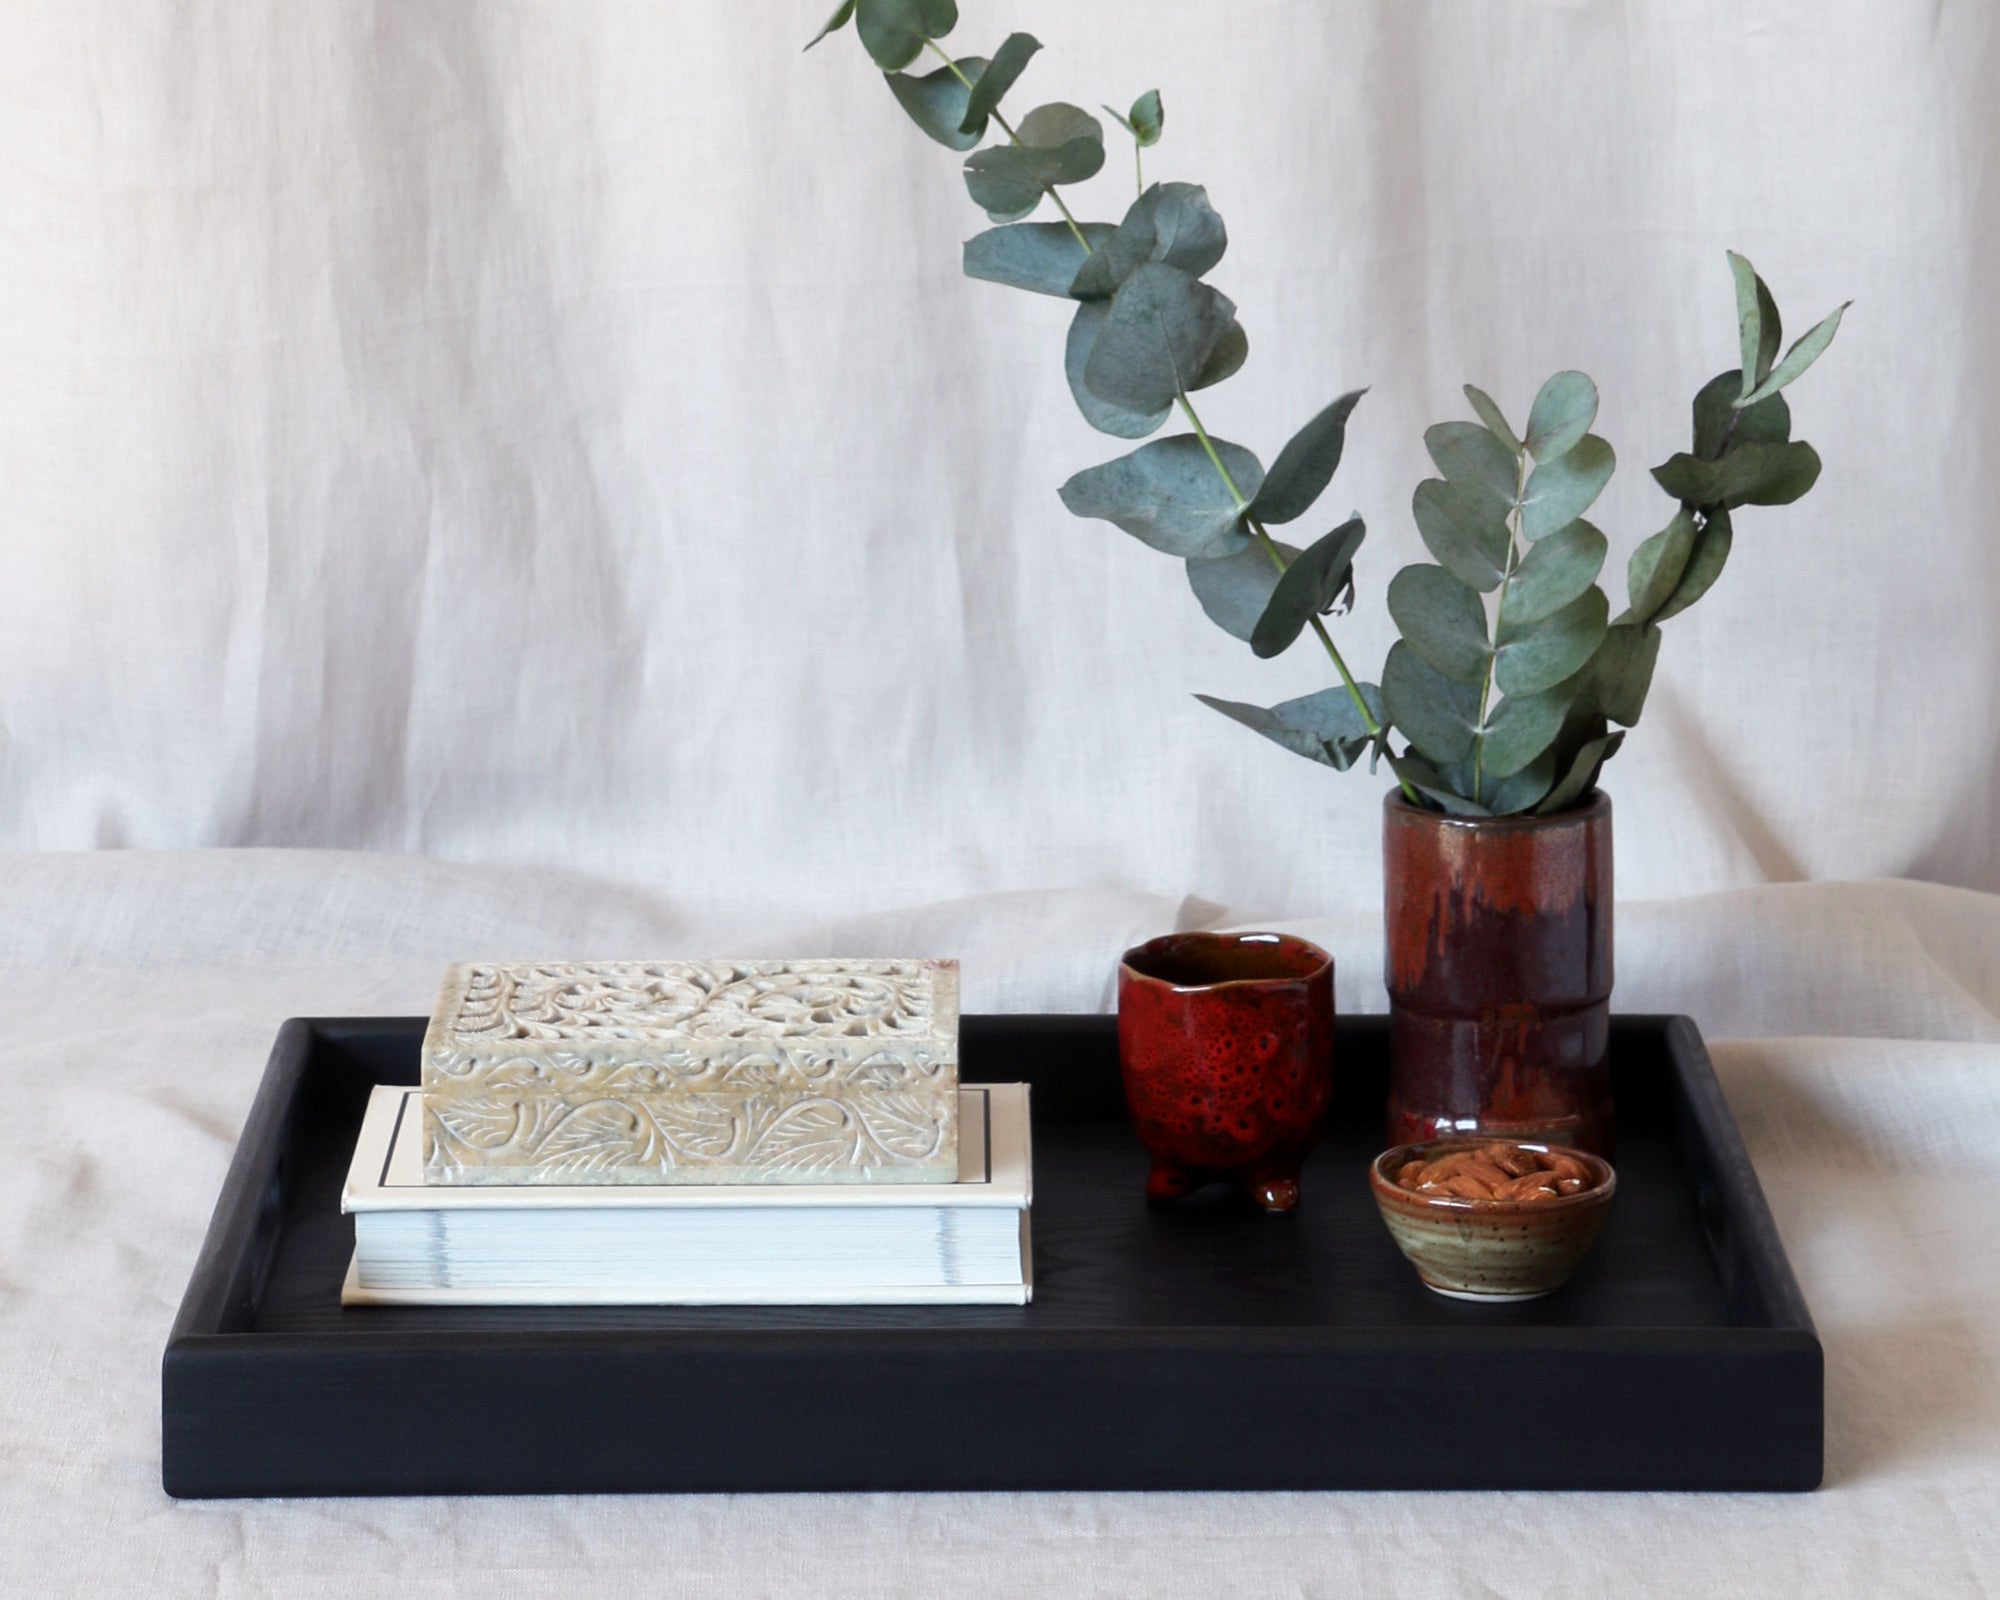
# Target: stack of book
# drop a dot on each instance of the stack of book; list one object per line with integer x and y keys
{"x": 692, "y": 1132}
{"x": 419, "y": 1243}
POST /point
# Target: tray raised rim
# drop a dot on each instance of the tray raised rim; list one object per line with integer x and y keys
{"x": 225, "y": 1284}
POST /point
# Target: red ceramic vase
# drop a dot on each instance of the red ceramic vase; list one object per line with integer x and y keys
{"x": 1226, "y": 1040}
{"x": 1499, "y": 972}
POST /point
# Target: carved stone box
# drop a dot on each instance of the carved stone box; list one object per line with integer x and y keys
{"x": 635, "y": 1072}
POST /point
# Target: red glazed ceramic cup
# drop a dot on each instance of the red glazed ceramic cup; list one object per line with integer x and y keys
{"x": 1226, "y": 1040}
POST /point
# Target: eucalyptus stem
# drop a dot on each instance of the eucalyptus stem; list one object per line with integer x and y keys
{"x": 1492, "y": 660}
{"x": 1277, "y": 559}
{"x": 1270, "y": 545}
{"x": 1007, "y": 128}
{"x": 1368, "y": 718}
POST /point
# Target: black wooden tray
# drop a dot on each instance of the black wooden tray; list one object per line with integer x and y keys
{"x": 1201, "y": 1346}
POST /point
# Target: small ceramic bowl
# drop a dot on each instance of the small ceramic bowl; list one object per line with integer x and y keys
{"x": 1493, "y": 1250}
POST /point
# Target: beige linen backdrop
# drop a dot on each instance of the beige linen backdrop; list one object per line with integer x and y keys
{"x": 547, "y": 453}
{"x": 559, "y": 433}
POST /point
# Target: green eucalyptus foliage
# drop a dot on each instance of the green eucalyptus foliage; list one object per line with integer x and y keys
{"x": 1043, "y": 257}
{"x": 1326, "y": 726}
{"x": 834, "y": 23}
{"x": 1055, "y": 144}
{"x": 1515, "y": 703}
{"x": 1144, "y": 121}
{"x": 1319, "y": 581}
{"x": 1511, "y": 683}
{"x": 1166, "y": 494}
{"x": 939, "y": 102}
{"x": 894, "y": 32}
{"x": 1236, "y": 590}
{"x": 1009, "y": 62}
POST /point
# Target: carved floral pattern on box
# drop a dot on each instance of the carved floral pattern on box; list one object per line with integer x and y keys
{"x": 693, "y": 1072}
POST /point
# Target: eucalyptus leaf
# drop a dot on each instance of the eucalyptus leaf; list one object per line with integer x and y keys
{"x": 1235, "y": 589}
{"x": 1475, "y": 458}
{"x": 1563, "y": 487}
{"x": 1771, "y": 332}
{"x": 1008, "y": 182}
{"x": 1146, "y": 119}
{"x": 1583, "y": 724}
{"x": 1435, "y": 713}
{"x": 1163, "y": 327}
{"x": 1310, "y": 586}
{"x": 1520, "y": 729}
{"x": 1799, "y": 357}
{"x": 1552, "y": 574}
{"x": 937, "y": 102}
{"x": 1758, "y": 327}
{"x": 1621, "y": 672}
{"x": 1058, "y": 144}
{"x": 1306, "y": 465}
{"x": 1100, "y": 413}
{"x": 1519, "y": 791}
{"x": 1494, "y": 418}
{"x": 1463, "y": 531}
{"x": 1325, "y": 727}
{"x": 1711, "y": 550}
{"x": 1717, "y": 422}
{"x": 1225, "y": 360}
{"x": 1655, "y": 570}
{"x": 1583, "y": 770}
{"x": 1167, "y": 494}
{"x": 834, "y": 23}
{"x": 1170, "y": 222}
{"x": 1009, "y": 62}
{"x": 1748, "y": 474}
{"x": 1041, "y": 257}
{"x": 1535, "y": 656}
{"x": 1428, "y": 781}
{"x": 1442, "y": 620}
{"x": 1562, "y": 414}
{"x": 894, "y": 31}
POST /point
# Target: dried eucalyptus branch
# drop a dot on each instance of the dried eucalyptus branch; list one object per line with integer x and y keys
{"x": 1500, "y": 713}
{"x": 1147, "y": 333}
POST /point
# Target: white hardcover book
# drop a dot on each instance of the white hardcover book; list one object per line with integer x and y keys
{"x": 800, "y": 1244}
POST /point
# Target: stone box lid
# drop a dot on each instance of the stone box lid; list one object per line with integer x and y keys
{"x": 821, "y": 1014}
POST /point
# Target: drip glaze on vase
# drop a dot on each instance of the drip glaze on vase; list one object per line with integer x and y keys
{"x": 1499, "y": 972}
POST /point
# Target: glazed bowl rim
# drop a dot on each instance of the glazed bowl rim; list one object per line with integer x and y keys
{"x": 1527, "y": 821}
{"x": 1386, "y": 1186}
{"x": 1323, "y": 969}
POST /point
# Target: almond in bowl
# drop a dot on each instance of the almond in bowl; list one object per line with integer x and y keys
{"x": 1492, "y": 1219}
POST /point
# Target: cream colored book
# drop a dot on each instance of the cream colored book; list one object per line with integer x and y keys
{"x": 793, "y": 1244}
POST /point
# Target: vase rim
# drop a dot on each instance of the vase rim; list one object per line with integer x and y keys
{"x": 1598, "y": 805}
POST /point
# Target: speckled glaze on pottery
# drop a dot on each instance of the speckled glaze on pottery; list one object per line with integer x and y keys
{"x": 1499, "y": 974}
{"x": 1226, "y": 1040}
{"x": 1491, "y": 1249}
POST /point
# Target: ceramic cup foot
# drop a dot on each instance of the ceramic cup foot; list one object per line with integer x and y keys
{"x": 1274, "y": 1193}
{"x": 1166, "y": 1182}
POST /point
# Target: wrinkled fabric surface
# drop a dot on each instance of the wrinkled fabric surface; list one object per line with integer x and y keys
{"x": 1856, "y": 1029}
{"x": 548, "y": 444}
{"x": 558, "y": 431}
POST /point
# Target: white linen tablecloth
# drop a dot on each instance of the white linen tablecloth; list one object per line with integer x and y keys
{"x": 1857, "y": 1032}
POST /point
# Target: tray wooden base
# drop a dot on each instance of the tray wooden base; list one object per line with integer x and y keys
{"x": 1203, "y": 1345}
